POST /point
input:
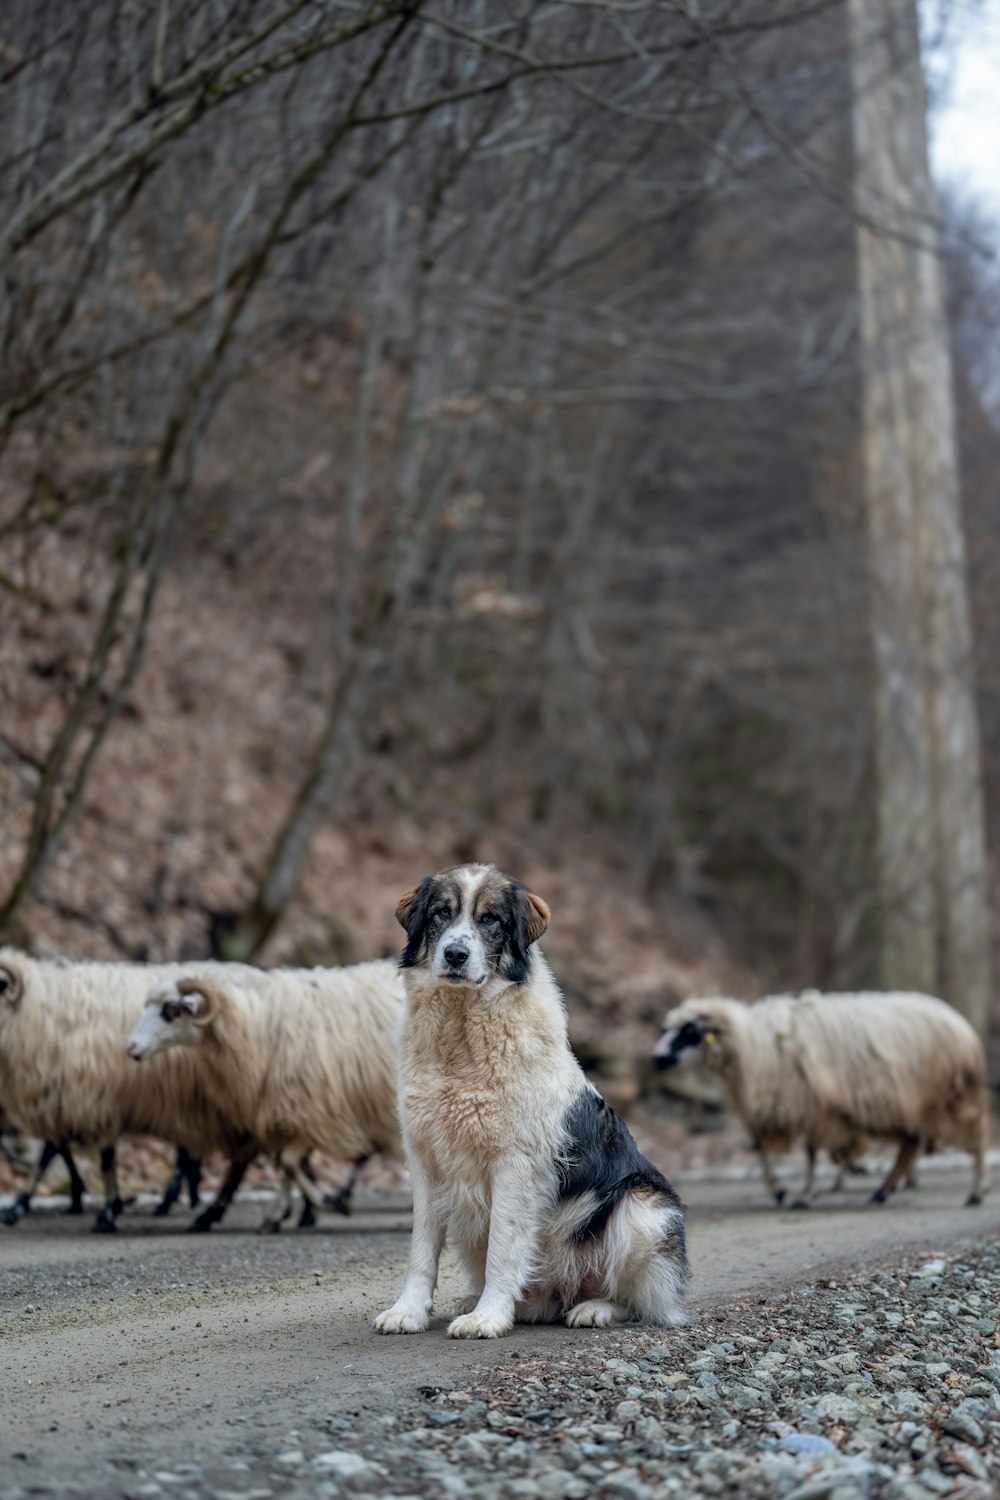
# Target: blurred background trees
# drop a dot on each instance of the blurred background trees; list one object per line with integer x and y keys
{"x": 433, "y": 431}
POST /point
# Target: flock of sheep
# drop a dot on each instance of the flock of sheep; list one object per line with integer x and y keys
{"x": 227, "y": 1058}
{"x": 281, "y": 1062}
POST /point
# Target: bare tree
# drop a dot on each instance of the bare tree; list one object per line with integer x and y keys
{"x": 931, "y": 818}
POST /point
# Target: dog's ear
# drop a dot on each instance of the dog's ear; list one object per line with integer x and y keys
{"x": 412, "y": 908}
{"x": 405, "y": 907}
{"x": 534, "y": 917}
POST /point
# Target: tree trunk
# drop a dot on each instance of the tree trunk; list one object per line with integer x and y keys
{"x": 932, "y": 858}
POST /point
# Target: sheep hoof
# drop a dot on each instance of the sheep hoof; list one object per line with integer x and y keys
{"x": 338, "y": 1203}
{"x": 780, "y": 1197}
{"x": 973, "y": 1200}
{"x": 800, "y": 1203}
{"x": 270, "y": 1226}
{"x": 12, "y": 1215}
{"x": 203, "y": 1223}
{"x": 880, "y": 1197}
{"x": 161, "y": 1210}
{"x": 308, "y": 1219}
{"x": 75, "y": 1208}
{"x": 105, "y": 1222}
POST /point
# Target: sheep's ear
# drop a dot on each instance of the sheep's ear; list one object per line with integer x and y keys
{"x": 536, "y": 916}
{"x": 199, "y": 999}
{"x": 11, "y": 984}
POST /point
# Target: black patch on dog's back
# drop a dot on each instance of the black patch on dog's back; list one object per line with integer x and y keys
{"x": 603, "y": 1159}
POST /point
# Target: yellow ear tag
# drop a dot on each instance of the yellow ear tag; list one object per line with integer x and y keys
{"x": 710, "y": 1038}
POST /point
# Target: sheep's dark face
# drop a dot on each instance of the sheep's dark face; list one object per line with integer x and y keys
{"x": 471, "y": 927}
{"x": 691, "y": 1026}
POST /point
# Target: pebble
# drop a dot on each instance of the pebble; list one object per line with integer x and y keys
{"x": 962, "y": 1424}
{"x": 805, "y": 1442}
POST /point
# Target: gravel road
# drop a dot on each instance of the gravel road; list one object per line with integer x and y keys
{"x": 848, "y": 1351}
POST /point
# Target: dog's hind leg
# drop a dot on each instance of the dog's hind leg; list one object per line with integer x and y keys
{"x": 595, "y": 1314}
{"x": 645, "y": 1265}
{"x": 538, "y": 1306}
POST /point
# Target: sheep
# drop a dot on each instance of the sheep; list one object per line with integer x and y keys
{"x": 831, "y": 1068}
{"x": 64, "y": 1074}
{"x": 300, "y": 1059}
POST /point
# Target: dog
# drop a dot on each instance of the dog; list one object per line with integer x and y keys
{"x": 552, "y": 1209}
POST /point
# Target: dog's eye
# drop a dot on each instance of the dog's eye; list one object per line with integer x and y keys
{"x": 438, "y": 916}
{"x": 488, "y": 919}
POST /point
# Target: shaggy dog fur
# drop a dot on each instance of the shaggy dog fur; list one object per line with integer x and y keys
{"x": 553, "y": 1211}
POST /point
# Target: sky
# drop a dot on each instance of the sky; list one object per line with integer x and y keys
{"x": 965, "y": 78}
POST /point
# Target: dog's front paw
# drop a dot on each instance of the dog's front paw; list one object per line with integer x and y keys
{"x": 475, "y": 1325}
{"x": 594, "y": 1314}
{"x": 402, "y": 1320}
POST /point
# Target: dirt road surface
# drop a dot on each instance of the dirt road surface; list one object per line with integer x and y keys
{"x": 141, "y": 1355}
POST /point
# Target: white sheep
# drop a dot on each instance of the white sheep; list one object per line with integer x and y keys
{"x": 831, "y": 1068}
{"x": 64, "y": 1074}
{"x": 301, "y": 1059}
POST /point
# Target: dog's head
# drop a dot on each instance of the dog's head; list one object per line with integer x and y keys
{"x": 470, "y": 926}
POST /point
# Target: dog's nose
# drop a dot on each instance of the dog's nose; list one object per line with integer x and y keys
{"x": 455, "y": 955}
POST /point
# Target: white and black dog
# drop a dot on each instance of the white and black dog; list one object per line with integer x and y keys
{"x": 543, "y": 1193}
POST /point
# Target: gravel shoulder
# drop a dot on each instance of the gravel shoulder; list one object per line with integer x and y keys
{"x": 157, "y": 1363}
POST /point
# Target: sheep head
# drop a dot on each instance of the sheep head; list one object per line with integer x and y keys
{"x": 176, "y": 1014}
{"x": 705, "y": 1024}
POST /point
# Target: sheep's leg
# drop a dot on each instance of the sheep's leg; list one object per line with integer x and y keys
{"x": 980, "y": 1169}
{"x": 308, "y": 1218}
{"x": 805, "y": 1198}
{"x": 173, "y": 1190}
{"x": 10, "y": 1155}
{"x": 909, "y": 1147}
{"x": 191, "y": 1172}
{"x": 340, "y": 1201}
{"x": 187, "y": 1170}
{"x": 22, "y": 1203}
{"x": 227, "y": 1192}
{"x": 773, "y": 1186}
{"x": 299, "y": 1171}
{"x": 282, "y": 1204}
{"x": 840, "y": 1161}
{"x": 105, "y": 1223}
{"x": 77, "y": 1186}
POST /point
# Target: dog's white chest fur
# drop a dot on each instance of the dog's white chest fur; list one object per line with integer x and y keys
{"x": 473, "y": 1084}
